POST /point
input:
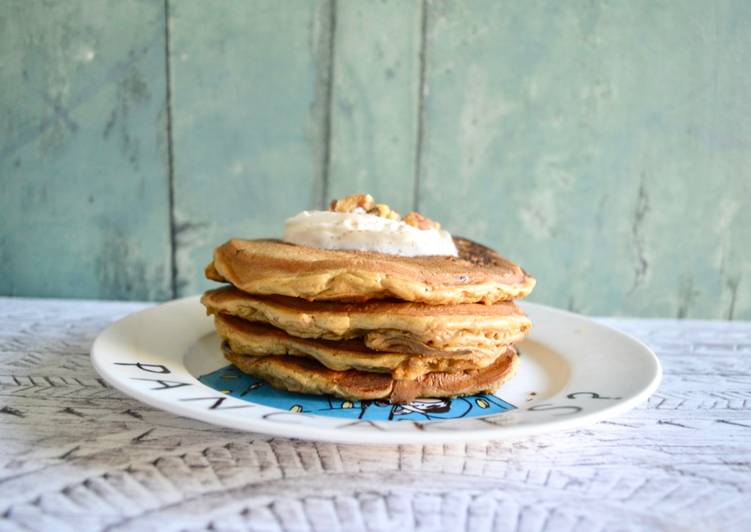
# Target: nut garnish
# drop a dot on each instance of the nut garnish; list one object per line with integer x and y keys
{"x": 367, "y": 203}
{"x": 352, "y": 202}
{"x": 384, "y": 211}
{"x": 415, "y": 219}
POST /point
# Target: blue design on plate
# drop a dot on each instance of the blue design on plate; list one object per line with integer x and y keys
{"x": 232, "y": 381}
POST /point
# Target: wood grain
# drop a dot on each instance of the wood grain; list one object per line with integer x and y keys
{"x": 375, "y": 100}
{"x": 593, "y": 142}
{"x": 77, "y": 455}
{"x": 83, "y": 154}
{"x": 602, "y": 145}
{"x": 251, "y": 102}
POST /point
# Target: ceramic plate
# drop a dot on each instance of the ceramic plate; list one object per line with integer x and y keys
{"x": 573, "y": 371}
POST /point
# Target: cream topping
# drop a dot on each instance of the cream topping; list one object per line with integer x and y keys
{"x": 359, "y": 231}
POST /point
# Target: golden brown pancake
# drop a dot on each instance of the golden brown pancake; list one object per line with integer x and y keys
{"x": 271, "y": 267}
{"x": 385, "y": 325}
{"x": 258, "y": 339}
{"x": 303, "y": 375}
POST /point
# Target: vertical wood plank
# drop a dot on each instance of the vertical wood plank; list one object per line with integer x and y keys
{"x": 82, "y": 150}
{"x": 605, "y": 146}
{"x": 374, "y": 112}
{"x": 249, "y": 93}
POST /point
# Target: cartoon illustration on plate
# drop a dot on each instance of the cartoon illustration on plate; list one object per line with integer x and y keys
{"x": 233, "y": 382}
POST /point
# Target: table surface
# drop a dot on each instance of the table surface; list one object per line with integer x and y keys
{"x": 76, "y": 454}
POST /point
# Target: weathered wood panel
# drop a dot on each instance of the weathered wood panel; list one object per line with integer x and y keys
{"x": 611, "y": 137}
{"x": 84, "y": 202}
{"x": 249, "y": 92}
{"x": 605, "y": 146}
{"x": 374, "y": 118}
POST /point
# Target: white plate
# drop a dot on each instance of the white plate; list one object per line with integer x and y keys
{"x": 573, "y": 372}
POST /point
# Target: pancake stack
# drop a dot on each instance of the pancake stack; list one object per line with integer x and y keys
{"x": 368, "y": 326}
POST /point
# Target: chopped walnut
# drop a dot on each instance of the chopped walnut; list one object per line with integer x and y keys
{"x": 367, "y": 204}
{"x": 352, "y": 202}
{"x": 415, "y": 219}
{"x": 384, "y": 211}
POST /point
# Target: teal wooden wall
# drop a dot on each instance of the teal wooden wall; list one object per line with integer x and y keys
{"x": 606, "y": 146}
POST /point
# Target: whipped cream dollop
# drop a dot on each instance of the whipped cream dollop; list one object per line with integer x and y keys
{"x": 359, "y": 231}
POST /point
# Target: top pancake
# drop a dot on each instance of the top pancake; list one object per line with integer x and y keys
{"x": 271, "y": 267}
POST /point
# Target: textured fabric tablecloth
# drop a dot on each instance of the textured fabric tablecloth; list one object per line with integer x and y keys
{"x": 78, "y": 455}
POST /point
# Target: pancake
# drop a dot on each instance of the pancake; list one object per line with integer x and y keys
{"x": 303, "y": 375}
{"x": 258, "y": 339}
{"x": 385, "y": 325}
{"x": 272, "y": 267}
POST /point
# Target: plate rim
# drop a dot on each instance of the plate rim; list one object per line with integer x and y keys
{"x": 363, "y": 437}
